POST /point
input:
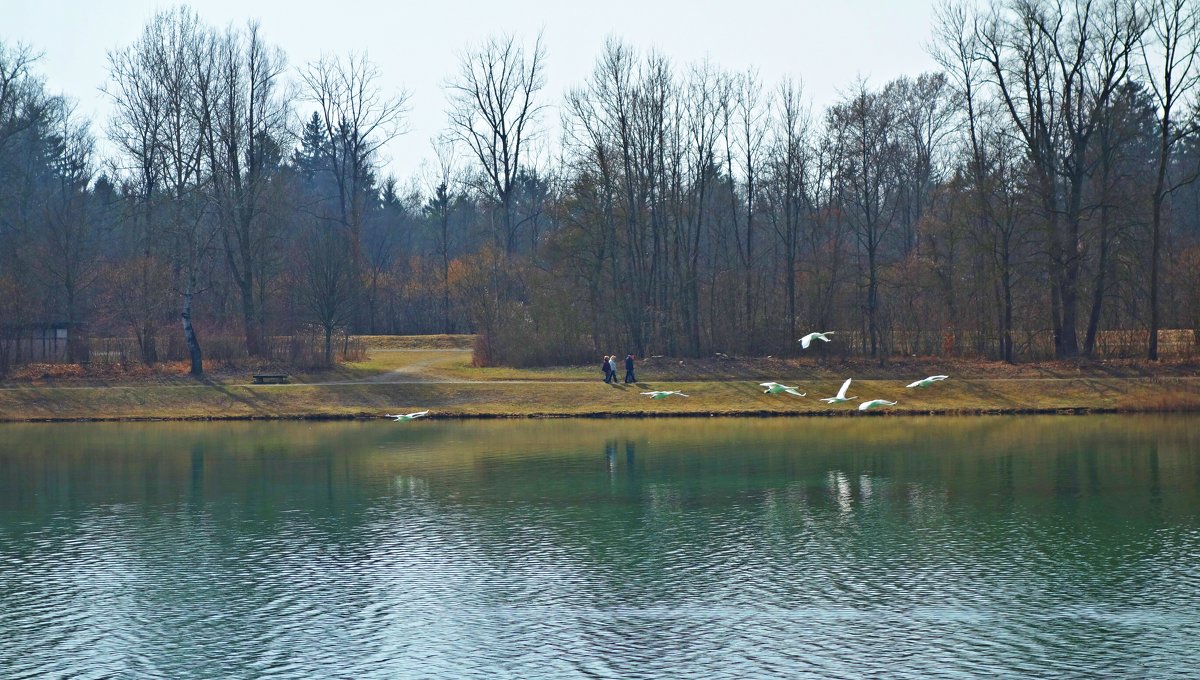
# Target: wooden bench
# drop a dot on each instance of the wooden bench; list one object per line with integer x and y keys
{"x": 265, "y": 378}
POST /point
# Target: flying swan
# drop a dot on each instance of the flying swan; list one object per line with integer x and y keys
{"x": 407, "y": 416}
{"x": 776, "y": 388}
{"x": 868, "y": 405}
{"x": 807, "y": 340}
{"x": 928, "y": 381}
{"x": 663, "y": 394}
{"x": 841, "y": 395}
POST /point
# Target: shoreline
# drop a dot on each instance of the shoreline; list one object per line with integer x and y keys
{"x": 444, "y": 381}
{"x": 631, "y": 415}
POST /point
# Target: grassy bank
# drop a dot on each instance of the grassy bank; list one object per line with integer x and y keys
{"x": 403, "y": 375}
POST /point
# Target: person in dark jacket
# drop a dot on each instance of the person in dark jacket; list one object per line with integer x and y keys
{"x": 607, "y": 368}
{"x": 629, "y": 369}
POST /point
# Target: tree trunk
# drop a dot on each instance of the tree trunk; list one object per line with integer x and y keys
{"x": 1093, "y": 329}
{"x": 148, "y": 344}
{"x": 189, "y": 335}
{"x": 750, "y": 344}
{"x": 250, "y": 319}
{"x": 1006, "y": 331}
{"x": 373, "y": 301}
{"x": 1155, "y": 256}
{"x": 1056, "y": 315}
{"x": 1054, "y": 260}
{"x": 791, "y": 299}
{"x": 1070, "y": 308}
{"x": 1069, "y": 267}
{"x": 148, "y": 332}
{"x": 446, "y": 271}
{"x": 872, "y": 295}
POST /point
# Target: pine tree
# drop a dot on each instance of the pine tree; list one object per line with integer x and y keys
{"x": 312, "y": 155}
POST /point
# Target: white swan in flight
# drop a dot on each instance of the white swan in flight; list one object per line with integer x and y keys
{"x": 928, "y": 381}
{"x": 407, "y": 416}
{"x": 663, "y": 394}
{"x": 868, "y": 405}
{"x": 807, "y": 340}
{"x": 776, "y": 388}
{"x": 841, "y": 395}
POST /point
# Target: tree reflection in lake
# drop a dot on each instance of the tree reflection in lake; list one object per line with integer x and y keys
{"x": 976, "y": 545}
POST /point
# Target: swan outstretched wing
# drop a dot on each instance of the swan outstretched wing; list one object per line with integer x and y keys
{"x": 866, "y": 405}
{"x": 406, "y": 416}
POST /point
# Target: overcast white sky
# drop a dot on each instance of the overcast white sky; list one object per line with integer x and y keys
{"x": 824, "y": 43}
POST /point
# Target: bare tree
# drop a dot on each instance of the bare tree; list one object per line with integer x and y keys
{"x": 1003, "y": 232}
{"x": 136, "y": 125}
{"x": 957, "y": 51}
{"x": 869, "y": 188}
{"x": 926, "y": 116}
{"x": 1056, "y": 67}
{"x": 68, "y": 244}
{"x": 327, "y": 285}
{"x": 1169, "y": 56}
{"x": 787, "y": 187}
{"x": 164, "y": 82}
{"x": 242, "y": 137}
{"x": 747, "y": 121}
{"x": 596, "y": 120}
{"x": 441, "y": 204}
{"x": 494, "y": 111}
{"x": 705, "y": 96}
{"x": 359, "y": 118}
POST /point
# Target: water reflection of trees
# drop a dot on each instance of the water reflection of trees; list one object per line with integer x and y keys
{"x": 323, "y": 465}
{"x": 618, "y": 496}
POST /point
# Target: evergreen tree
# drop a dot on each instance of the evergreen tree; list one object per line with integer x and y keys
{"x": 311, "y": 156}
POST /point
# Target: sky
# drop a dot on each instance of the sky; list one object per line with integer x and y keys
{"x": 824, "y": 44}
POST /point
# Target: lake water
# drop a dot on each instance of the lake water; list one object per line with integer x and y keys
{"x": 708, "y": 548}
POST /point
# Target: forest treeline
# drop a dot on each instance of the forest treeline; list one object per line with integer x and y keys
{"x": 1032, "y": 198}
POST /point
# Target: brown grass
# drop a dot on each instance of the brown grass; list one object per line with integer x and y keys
{"x": 135, "y": 374}
{"x": 439, "y": 377}
{"x": 417, "y": 341}
{"x": 502, "y": 399}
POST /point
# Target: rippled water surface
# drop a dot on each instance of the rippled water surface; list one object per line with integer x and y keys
{"x": 603, "y": 549}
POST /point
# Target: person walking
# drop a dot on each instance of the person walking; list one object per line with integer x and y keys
{"x": 629, "y": 369}
{"x": 612, "y": 368}
{"x": 607, "y": 368}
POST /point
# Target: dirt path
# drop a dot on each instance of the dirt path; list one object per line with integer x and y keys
{"x": 414, "y": 372}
